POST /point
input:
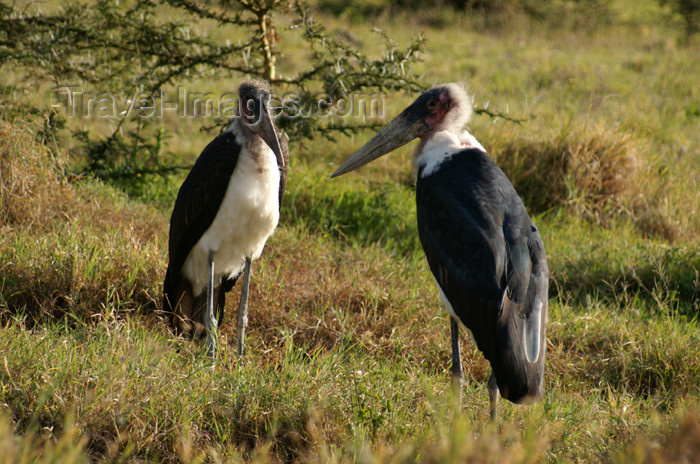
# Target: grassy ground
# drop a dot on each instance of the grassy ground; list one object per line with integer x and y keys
{"x": 348, "y": 348}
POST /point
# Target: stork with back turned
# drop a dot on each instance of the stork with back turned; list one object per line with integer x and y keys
{"x": 226, "y": 209}
{"x": 483, "y": 249}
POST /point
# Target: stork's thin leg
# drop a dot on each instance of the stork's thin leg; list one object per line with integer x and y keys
{"x": 493, "y": 395}
{"x": 243, "y": 308}
{"x": 209, "y": 318}
{"x": 457, "y": 374}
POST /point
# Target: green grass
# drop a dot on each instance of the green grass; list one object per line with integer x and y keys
{"x": 348, "y": 347}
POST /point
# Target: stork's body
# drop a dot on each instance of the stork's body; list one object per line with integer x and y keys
{"x": 225, "y": 211}
{"x": 484, "y": 251}
{"x": 246, "y": 217}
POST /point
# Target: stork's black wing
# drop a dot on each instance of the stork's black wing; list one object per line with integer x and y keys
{"x": 200, "y": 196}
{"x": 488, "y": 258}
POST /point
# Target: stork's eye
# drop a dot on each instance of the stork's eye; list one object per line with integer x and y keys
{"x": 248, "y": 106}
{"x": 432, "y": 103}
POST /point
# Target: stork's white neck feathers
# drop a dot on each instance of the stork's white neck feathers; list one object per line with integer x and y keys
{"x": 461, "y": 111}
{"x": 440, "y": 147}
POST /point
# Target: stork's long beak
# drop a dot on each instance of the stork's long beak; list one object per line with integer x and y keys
{"x": 405, "y": 127}
{"x": 269, "y": 134}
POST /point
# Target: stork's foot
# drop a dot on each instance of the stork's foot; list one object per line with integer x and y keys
{"x": 457, "y": 380}
{"x": 493, "y": 396}
{"x": 457, "y": 386}
{"x": 211, "y": 345}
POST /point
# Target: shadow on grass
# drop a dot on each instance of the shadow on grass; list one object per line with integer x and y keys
{"x": 38, "y": 298}
{"x": 668, "y": 282}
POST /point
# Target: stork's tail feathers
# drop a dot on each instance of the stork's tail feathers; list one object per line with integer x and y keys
{"x": 519, "y": 363}
{"x": 185, "y": 310}
{"x": 179, "y": 304}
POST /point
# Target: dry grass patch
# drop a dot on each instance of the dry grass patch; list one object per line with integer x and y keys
{"x": 679, "y": 445}
{"x": 35, "y": 193}
{"x": 598, "y": 173}
{"x": 324, "y": 296}
{"x": 31, "y": 194}
{"x": 70, "y": 247}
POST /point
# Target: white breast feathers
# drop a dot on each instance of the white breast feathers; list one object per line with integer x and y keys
{"x": 440, "y": 148}
{"x": 246, "y": 218}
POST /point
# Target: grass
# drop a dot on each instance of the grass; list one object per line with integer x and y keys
{"x": 68, "y": 246}
{"x": 348, "y": 348}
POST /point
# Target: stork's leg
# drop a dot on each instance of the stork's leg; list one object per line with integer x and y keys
{"x": 243, "y": 308}
{"x": 493, "y": 395}
{"x": 457, "y": 374}
{"x": 209, "y": 318}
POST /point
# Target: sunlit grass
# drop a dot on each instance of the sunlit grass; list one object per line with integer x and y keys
{"x": 348, "y": 347}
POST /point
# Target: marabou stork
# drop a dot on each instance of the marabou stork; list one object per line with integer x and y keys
{"x": 225, "y": 211}
{"x": 486, "y": 254}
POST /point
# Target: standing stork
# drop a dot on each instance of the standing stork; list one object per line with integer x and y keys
{"x": 486, "y": 254}
{"x": 225, "y": 211}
